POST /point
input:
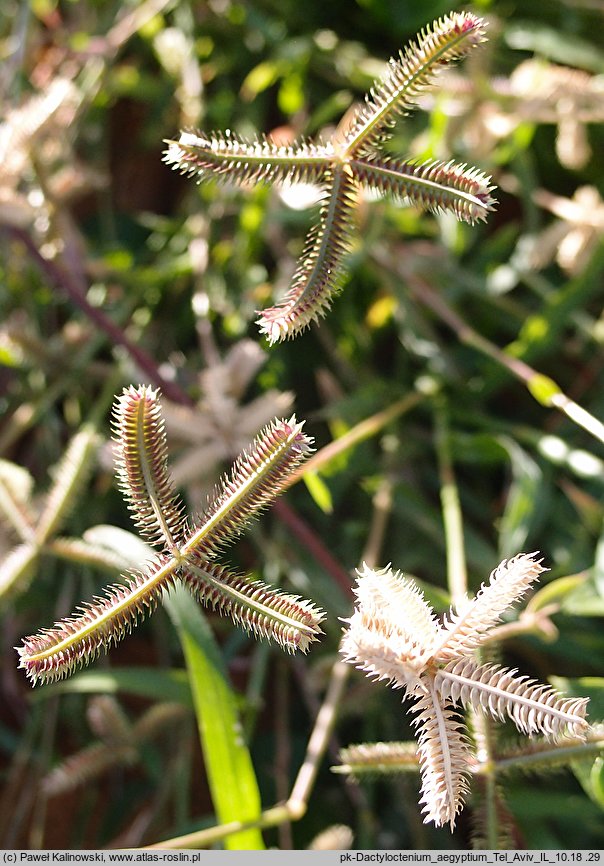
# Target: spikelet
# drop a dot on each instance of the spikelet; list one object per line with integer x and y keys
{"x": 320, "y": 271}
{"x": 463, "y": 631}
{"x": 229, "y": 159}
{"x": 408, "y": 76}
{"x": 255, "y": 606}
{"x": 141, "y": 456}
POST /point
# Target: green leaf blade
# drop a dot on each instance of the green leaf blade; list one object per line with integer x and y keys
{"x": 231, "y": 775}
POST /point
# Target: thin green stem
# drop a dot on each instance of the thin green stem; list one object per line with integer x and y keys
{"x": 551, "y": 754}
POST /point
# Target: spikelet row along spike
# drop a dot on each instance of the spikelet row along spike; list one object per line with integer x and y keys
{"x": 532, "y": 706}
{"x": 227, "y": 158}
{"x": 393, "y": 636}
{"x": 434, "y": 185}
{"x": 320, "y": 272}
{"x": 258, "y": 476}
{"x": 256, "y": 479}
{"x": 449, "y": 39}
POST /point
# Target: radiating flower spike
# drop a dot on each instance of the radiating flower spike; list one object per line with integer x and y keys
{"x": 257, "y": 477}
{"x": 448, "y": 39}
{"x": 54, "y": 653}
{"x": 260, "y": 609}
{"x": 341, "y": 167}
{"x": 394, "y": 636}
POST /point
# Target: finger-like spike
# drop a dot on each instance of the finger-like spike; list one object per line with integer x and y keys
{"x": 54, "y": 653}
{"x": 255, "y": 606}
{"x": 69, "y": 476}
{"x": 141, "y": 456}
{"x": 444, "y": 751}
{"x": 320, "y": 271}
{"x": 449, "y": 39}
{"x": 396, "y": 601}
{"x": 532, "y": 706}
{"x": 463, "y": 631}
{"x": 229, "y": 159}
{"x": 434, "y": 186}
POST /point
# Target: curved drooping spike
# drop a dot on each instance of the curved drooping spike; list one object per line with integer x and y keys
{"x": 141, "y": 457}
{"x": 383, "y": 653}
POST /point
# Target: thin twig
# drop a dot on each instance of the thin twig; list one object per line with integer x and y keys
{"x": 61, "y": 280}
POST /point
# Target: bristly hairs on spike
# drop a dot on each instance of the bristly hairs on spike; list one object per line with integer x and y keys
{"x": 257, "y": 477}
{"x": 141, "y": 457}
{"x": 342, "y": 166}
{"x": 394, "y": 636}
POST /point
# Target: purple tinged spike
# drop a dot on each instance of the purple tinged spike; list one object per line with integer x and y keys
{"x": 258, "y": 476}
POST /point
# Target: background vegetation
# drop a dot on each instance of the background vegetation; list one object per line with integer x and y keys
{"x": 115, "y": 270}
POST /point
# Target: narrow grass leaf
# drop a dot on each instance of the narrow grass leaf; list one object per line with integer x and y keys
{"x": 228, "y": 763}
